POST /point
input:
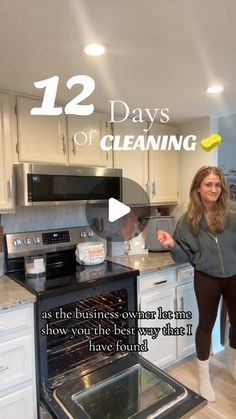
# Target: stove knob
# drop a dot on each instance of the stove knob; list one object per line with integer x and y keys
{"x": 27, "y": 241}
{"x": 17, "y": 242}
{"x": 83, "y": 234}
{"x": 37, "y": 240}
{"x": 90, "y": 233}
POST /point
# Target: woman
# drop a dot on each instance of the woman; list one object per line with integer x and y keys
{"x": 205, "y": 236}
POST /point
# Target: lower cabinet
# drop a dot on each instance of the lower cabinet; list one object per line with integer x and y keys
{"x": 18, "y": 405}
{"x": 17, "y": 364}
{"x": 161, "y": 348}
{"x": 171, "y": 334}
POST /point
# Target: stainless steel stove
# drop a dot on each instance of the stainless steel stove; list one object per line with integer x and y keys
{"x": 73, "y": 303}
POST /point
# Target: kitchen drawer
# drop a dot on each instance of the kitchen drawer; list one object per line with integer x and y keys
{"x": 19, "y": 404}
{"x": 154, "y": 280}
{"x": 12, "y": 321}
{"x": 185, "y": 275}
{"x": 16, "y": 360}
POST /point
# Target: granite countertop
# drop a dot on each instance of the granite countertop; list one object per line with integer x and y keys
{"x": 149, "y": 262}
{"x": 13, "y": 294}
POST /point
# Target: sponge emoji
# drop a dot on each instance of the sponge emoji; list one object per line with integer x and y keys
{"x": 210, "y": 142}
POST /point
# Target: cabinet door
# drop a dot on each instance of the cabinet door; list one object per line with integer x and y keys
{"x": 134, "y": 163}
{"x": 40, "y": 138}
{"x": 16, "y": 364}
{"x": 186, "y": 301}
{"x": 84, "y": 135}
{"x": 7, "y": 118}
{"x": 163, "y": 169}
{"x": 20, "y": 405}
{"x": 162, "y": 350}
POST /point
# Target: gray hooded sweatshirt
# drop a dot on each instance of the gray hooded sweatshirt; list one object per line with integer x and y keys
{"x": 212, "y": 253}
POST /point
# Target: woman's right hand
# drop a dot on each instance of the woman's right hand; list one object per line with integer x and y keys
{"x": 165, "y": 239}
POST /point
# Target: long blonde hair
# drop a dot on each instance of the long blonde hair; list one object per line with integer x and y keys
{"x": 195, "y": 207}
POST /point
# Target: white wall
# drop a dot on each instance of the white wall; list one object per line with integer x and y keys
{"x": 227, "y": 157}
{"x": 191, "y": 161}
{"x": 226, "y": 127}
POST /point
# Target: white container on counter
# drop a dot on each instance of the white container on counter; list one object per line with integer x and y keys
{"x": 35, "y": 265}
{"x": 90, "y": 253}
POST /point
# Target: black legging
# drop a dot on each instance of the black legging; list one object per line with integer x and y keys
{"x": 208, "y": 290}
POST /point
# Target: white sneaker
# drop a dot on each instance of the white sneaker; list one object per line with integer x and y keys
{"x": 232, "y": 362}
{"x": 205, "y": 388}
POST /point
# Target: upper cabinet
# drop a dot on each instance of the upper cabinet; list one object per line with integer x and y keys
{"x": 156, "y": 171}
{"x": 40, "y": 138}
{"x": 133, "y": 163}
{"x": 7, "y": 132}
{"x": 163, "y": 169}
{"x": 44, "y": 139}
{"x": 84, "y": 134}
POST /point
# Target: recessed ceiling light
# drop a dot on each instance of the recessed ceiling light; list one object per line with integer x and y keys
{"x": 94, "y": 49}
{"x": 215, "y": 89}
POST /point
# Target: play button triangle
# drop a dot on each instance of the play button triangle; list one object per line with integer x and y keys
{"x": 116, "y": 210}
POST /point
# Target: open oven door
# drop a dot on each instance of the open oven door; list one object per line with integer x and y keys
{"x": 128, "y": 388}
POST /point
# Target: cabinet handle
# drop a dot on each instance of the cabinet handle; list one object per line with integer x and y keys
{"x": 175, "y": 304}
{"x": 10, "y": 186}
{"x": 154, "y": 187}
{"x": 161, "y": 282}
{"x": 3, "y": 367}
{"x": 63, "y": 144}
{"x": 181, "y": 308}
{"x": 73, "y": 145}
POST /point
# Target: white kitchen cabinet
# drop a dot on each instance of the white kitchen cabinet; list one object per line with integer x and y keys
{"x": 44, "y": 139}
{"x": 17, "y": 364}
{"x": 163, "y": 169}
{"x": 7, "y": 132}
{"x": 134, "y": 163}
{"x": 162, "y": 350}
{"x": 155, "y": 290}
{"x": 41, "y": 139}
{"x": 186, "y": 302}
{"x": 156, "y": 171}
{"x": 170, "y": 290}
{"x": 84, "y": 135}
{"x": 17, "y": 405}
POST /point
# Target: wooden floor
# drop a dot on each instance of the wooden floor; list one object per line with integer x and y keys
{"x": 225, "y": 387}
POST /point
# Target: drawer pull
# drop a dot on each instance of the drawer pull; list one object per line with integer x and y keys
{"x": 161, "y": 282}
{"x": 3, "y": 367}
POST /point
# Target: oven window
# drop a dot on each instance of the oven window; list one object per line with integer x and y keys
{"x": 68, "y": 351}
{"x": 124, "y": 395}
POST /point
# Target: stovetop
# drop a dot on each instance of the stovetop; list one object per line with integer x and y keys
{"x": 63, "y": 273}
{"x": 64, "y": 280}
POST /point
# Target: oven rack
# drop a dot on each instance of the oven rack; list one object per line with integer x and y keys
{"x": 78, "y": 357}
{"x": 64, "y": 343}
{"x": 106, "y": 303}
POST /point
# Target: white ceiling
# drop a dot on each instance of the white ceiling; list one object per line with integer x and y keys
{"x": 161, "y": 53}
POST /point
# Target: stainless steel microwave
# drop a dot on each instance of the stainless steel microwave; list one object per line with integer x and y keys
{"x": 42, "y": 184}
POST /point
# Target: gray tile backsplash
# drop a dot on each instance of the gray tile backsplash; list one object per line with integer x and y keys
{"x": 43, "y": 218}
